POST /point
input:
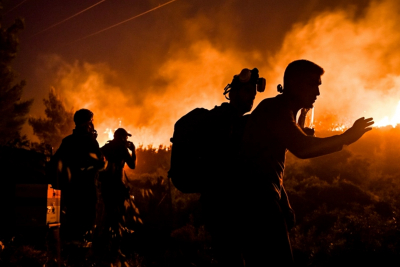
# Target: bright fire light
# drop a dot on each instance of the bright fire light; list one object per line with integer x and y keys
{"x": 110, "y": 133}
{"x": 338, "y": 128}
{"x": 392, "y": 121}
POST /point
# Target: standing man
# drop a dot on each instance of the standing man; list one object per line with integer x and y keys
{"x": 78, "y": 161}
{"x": 113, "y": 189}
{"x": 219, "y": 195}
{"x": 270, "y": 132}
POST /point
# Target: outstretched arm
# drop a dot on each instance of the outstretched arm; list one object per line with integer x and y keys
{"x": 303, "y": 146}
{"x": 359, "y": 128}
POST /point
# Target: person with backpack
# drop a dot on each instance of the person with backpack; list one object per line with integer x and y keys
{"x": 205, "y": 157}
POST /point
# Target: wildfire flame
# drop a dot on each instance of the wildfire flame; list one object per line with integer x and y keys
{"x": 385, "y": 121}
{"x": 356, "y": 50}
{"x": 394, "y": 120}
{"x": 110, "y": 133}
{"x": 338, "y": 128}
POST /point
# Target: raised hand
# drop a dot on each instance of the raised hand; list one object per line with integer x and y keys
{"x": 359, "y": 128}
{"x": 302, "y": 117}
{"x": 131, "y": 146}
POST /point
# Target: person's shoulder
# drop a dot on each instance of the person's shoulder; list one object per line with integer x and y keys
{"x": 272, "y": 103}
{"x": 106, "y": 147}
{"x": 274, "y": 108}
{"x": 225, "y": 109}
{"x": 68, "y": 139}
{"x": 66, "y": 146}
{"x": 223, "y": 106}
{"x": 87, "y": 141}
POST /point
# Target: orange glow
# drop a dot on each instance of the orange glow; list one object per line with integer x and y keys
{"x": 359, "y": 55}
{"x": 362, "y": 77}
{"x": 109, "y": 133}
{"x": 394, "y": 120}
{"x": 338, "y": 128}
{"x": 191, "y": 83}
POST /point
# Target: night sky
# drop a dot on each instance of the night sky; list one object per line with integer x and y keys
{"x": 146, "y": 73}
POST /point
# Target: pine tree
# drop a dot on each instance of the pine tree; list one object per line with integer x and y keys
{"x": 13, "y": 111}
{"x": 57, "y": 124}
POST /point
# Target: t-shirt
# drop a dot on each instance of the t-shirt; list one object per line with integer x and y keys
{"x": 272, "y": 130}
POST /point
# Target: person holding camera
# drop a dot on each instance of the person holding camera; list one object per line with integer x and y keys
{"x": 113, "y": 189}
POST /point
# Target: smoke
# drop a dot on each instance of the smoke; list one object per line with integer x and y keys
{"x": 197, "y": 82}
{"x": 357, "y": 50}
{"x": 360, "y": 58}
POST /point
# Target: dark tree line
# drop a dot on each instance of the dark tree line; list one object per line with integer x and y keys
{"x": 13, "y": 110}
{"x": 57, "y": 123}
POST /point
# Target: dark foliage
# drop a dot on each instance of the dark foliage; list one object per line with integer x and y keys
{"x": 346, "y": 204}
{"x": 12, "y": 109}
{"x": 151, "y": 161}
{"x": 57, "y": 124}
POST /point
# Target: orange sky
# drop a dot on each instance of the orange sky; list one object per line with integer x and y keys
{"x": 146, "y": 74}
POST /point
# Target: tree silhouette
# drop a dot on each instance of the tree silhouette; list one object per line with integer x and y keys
{"x": 57, "y": 124}
{"x": 13, "y": 111}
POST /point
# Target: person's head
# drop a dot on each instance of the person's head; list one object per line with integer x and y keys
{"x": 121, "y": 134}
{"x": 301, "y": 82}
{"x": 243, "y": 89}
{"x": 83, "y": 119}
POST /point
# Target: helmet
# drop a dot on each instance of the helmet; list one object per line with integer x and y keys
{"x": 246, "y": 76}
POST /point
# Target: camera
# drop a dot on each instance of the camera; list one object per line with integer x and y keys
{"x": 130, "y": 145}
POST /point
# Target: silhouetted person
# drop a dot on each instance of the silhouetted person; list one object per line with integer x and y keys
{"x": 113, "y": 189}
{"x": 270, "y": 132}
{"x": 220, "y": 202}
{"x": 77, "y": 161}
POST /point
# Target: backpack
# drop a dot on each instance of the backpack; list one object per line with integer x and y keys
{"x": 188, "y": 154}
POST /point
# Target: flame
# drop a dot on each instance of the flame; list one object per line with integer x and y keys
{"x": 110, "y": 134}
{"x": 385, "y": 121}
{"x": 338, "y": 128}
{"x": 394, "y": 120}
{"x": 358, "y": 53}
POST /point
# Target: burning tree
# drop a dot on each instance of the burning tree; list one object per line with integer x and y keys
{"x": 13, "y": 110}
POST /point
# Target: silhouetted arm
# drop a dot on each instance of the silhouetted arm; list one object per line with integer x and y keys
{"x": 303, "y": 146}
{"x": 131, "y": 159}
